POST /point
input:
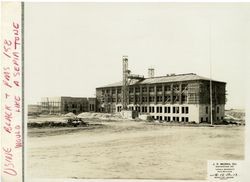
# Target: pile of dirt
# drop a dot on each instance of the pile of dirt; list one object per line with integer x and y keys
{"x": 70, "y": 115}
{"x": 235, "y": 114}
{"x": 43, "y": 119}
{"x": 104, "y": 116}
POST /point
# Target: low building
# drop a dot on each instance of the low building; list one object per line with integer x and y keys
{"x": 183, "y": 98}
{"x": 63, "y": 105}
{"x": 34, "y": 109}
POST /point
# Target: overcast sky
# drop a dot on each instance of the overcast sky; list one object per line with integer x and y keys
{"x": 72, "y": 48}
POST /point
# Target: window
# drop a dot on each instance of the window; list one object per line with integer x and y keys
{"x": 119, "y": 108}
{"x": 131, "y": 90}
{"x": 184, "y": 87}
{"x": 144, "y": 99}
{"x": 218, "y": 109}
{"x": 151, "y": 89}
{"x": 152, "y": 109}
{"x": 177, "y": 109}
{"x": 137, "y": 98}
{"x": 151, "y": 99}
{"x": 187, "y": 119}
{"x": 165, "y": 110}
{"x": 137, "y": 89}
{"x": 167, "y": 88}
{"x": 144, "y": 89}
{"x": 119, "y": 99}
{"x": 176, "y": 98}
{"x": 159, "y": 88}
{"x": 167, "y": 98}
{"x": 184, "y": 98}
{"x": 187, "y": 110}
{"x": 146, "y": 109}
{"x": 160, "y": 118}
{"x": 182, "y": 119}
{"x": 113, "y": 91}
{"x": 169, "y": 109}
{"x": 177, "y": 118}
{"x": 159, "y": 98}
{"x": 159, "y": 109}
{"x": 119, "y": 91}
{"x": 182, "y": 109}
{"x": 131, "y": 99}
{"x": 176, "y": 87}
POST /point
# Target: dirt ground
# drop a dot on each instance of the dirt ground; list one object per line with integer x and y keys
{"x": 130, "y": 150}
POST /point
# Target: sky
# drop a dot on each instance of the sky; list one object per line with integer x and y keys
{"x": 72, "y": 48}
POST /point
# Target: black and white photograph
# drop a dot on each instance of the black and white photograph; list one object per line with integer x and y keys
{"x": 134, "y": 90}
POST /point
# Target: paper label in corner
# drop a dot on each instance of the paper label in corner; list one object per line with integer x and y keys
{"x": 224, "y": 170}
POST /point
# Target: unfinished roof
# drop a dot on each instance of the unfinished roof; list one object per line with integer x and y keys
{"x": 163, "y": 79}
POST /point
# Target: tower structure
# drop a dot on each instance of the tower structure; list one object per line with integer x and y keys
{"x": 125, "y": 73}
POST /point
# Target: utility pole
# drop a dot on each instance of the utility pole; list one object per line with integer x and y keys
{"x": 210, "y": 68}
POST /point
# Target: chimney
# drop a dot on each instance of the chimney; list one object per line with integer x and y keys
{"x": 151, "y": 72}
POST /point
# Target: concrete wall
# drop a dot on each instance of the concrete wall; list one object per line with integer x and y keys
{"x": 195, "y": 112}
{"x": 205, "y": 113}
{"x": 192, "y": 115}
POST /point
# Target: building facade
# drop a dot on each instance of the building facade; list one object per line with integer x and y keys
{"x": 183, "y": 98}
{"x": 63, "y": 105}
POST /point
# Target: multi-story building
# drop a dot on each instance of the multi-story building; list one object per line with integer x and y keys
{"x": 183, "y": 98}
{"x": 63, "y": 105}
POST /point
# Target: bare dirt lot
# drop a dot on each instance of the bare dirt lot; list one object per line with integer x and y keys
{"x": 130, "y": 150}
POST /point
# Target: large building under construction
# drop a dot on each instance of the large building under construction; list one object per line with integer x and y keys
{"x": 174, "y": 97}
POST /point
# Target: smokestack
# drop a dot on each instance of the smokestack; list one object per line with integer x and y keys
{"x": 151, "y": 72}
